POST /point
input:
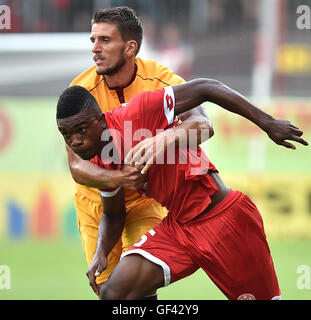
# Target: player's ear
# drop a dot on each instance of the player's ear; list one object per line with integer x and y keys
{"x": 102, "y": 120}
{"x": 131, "y": 48}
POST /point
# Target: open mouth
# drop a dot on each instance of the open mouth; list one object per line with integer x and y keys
{"x": 98, "y": 60}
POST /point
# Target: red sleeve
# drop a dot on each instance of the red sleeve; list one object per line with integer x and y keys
{"x": 149, "y": 110}
{"x": 158, "y": 109}
{"x": 97, "y": 161}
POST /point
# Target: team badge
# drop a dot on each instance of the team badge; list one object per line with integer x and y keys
{"x": 246, "y": 296}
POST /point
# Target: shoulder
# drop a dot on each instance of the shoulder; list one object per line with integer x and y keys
{"x": 150, "y": 70}
{"x": 88, "y": 79}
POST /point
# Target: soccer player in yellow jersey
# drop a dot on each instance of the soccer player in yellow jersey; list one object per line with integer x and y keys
{"x": 118, "y": 75}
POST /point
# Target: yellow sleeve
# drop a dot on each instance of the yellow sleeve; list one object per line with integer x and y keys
{"x": 168, "y": 76}
{"x": 88, "y": 79}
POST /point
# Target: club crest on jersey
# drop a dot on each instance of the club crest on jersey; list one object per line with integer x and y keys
{"x": 246, "y": 296}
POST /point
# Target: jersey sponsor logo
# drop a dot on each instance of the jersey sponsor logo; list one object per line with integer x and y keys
{"x": 246, "y": 296}
{"x": 169, "y": 104}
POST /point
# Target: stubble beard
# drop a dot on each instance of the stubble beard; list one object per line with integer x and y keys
{"x": 114, "y": 69}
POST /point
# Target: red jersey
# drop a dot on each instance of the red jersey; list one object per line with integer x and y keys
{"x": 180, "y": 182}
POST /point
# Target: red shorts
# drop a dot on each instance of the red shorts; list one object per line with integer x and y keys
{"x": 228, "y": 243}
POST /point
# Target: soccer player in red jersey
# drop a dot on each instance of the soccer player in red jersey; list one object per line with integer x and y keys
{"x": 208, "y": 226}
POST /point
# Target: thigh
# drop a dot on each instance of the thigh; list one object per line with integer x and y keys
{"x": 163, "y": 246}
{"x": 235, "y": 254}
{"x": 133, "y": 278}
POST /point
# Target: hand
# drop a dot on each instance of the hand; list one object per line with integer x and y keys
{"x": 149, "y": 151}
{"x": 131, "y": 178}
{"x": 97, "y": 266}
{"x": 280, "y": 130}
{"x": 143, "y": 155}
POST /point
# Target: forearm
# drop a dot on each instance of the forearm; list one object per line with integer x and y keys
{"x": 229, "y": 99}
{"x": 194, "y": 121}
{"x": 195, "y": 124}
{"x": 198, "y": 91}
{"x": 89, "y": 174}
{"x": 109, "y": 232}
{"x": 93, "y": 176}
{"x": 182, "y": 134}
{"x": 112, "y": 222}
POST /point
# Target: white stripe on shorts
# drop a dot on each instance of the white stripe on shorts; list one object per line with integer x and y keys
{"x": 150, "y": 257}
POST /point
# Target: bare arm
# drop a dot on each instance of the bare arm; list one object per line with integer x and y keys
{"x": 199, "y": 120}
{"x": 195, "y": 92}
{"x": 109, "y": 232}
{"x": 91, "y": 175}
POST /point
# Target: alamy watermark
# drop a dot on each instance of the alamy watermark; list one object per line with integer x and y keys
{"x": 185, "y": 152}
{"x": 5, "y": 277}
{"x": 5, "y": 17}
{"x": 304, "y": 19}
{"x": 304, "y": 280}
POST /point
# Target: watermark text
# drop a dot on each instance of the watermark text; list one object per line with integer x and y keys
{"x": 5, "y": 17}
{"x": 185, "y": 151}
{"x": 5, "y": 277}
{"x": 304, "y": 19}
{"x": 304, "y": 280}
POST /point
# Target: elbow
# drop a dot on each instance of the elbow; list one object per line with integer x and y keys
{"x": 74, "y": 170}
{"x": 74, "y": 164}
{"x": 207, "y": 88}
{"x": 198, "y": 121}
{"x": 206, "y": 82}
{"x": 75, "y": 177}
{"x": 205, "y": 129}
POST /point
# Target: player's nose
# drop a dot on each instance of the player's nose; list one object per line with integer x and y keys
{"x": 95, "y": 47}
{"x": 76, "y": 141}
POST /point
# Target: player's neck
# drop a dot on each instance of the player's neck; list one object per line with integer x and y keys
{"x": 123, "y": 77}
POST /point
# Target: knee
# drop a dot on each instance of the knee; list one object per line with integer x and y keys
{"x": 114, "y": 292}
{"x": 104, "y": 292}
{"x": 108, "y": 292}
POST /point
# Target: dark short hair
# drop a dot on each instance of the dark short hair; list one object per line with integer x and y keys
{"x": 126, "y": 20}
{"x": 74, "y": 100}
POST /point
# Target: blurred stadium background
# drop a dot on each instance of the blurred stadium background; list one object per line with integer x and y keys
{"x": 255, "y": 46}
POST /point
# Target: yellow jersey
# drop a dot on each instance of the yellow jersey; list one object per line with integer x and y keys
{"x": 149, "y": 75}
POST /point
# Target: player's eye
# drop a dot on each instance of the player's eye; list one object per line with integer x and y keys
{"x": 82, "y": 130}
{"x": 65, "y": 135}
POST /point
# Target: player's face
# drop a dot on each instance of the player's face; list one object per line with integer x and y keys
{"x": 82, "y": 134}
{"x": 108, "y": 48}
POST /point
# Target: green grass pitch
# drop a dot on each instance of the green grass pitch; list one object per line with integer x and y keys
{"x": 56, "y": 270}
